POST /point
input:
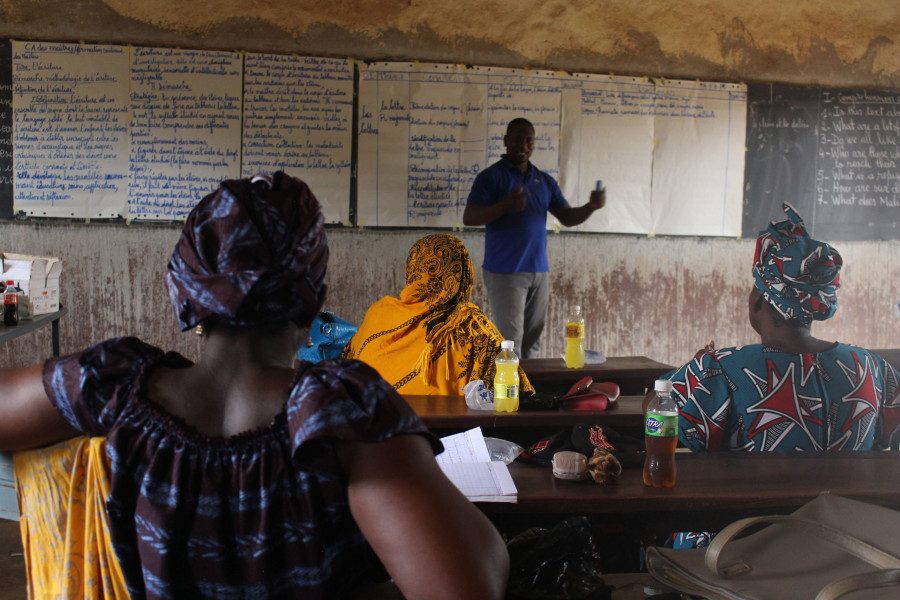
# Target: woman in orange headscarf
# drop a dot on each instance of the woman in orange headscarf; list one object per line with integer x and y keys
{"x": 431, "y": 340}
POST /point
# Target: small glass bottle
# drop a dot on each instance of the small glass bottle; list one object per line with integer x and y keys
{"x": 575, "y": 338}
{"x": 506, "y": 378}
{"x": 10, "y": 305}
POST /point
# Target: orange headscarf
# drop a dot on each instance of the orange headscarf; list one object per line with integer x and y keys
{"x": 431, "y": 340}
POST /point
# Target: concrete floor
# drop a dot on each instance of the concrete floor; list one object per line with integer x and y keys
{"x": 12, "y": 564}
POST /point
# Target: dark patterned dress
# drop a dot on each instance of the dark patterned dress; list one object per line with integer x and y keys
{"x": 260, "y": 515}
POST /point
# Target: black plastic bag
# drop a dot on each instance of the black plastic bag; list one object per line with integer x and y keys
{"x": 584, "y": 438}
{"x": 559, "y": 563}
{"x": 539, "y": 400}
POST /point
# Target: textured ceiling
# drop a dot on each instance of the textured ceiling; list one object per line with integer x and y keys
{"x": 844, "y": 42}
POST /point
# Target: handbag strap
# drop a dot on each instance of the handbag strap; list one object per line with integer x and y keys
{"x": 862, "y": 550}
{"x": 860, "y": 581}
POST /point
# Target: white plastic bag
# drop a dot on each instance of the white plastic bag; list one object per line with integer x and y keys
{"x": 478, "y": 396}
{"x": 502, "y": 450}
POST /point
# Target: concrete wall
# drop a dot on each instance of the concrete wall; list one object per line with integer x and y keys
{"x": 659, "y": 297}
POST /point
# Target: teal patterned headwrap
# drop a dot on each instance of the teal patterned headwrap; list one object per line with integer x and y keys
{"x": 797, "y": 275}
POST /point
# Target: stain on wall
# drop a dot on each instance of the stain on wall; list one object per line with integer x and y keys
{"x": 661, "y": 297}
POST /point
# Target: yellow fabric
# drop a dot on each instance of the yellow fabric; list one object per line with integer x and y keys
{"x": 65, "y": 533}
{"x": 431, "y": 340}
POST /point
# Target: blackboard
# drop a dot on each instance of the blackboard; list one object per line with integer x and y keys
{"x": 6, "y": 146}
{"x": 834, "y": 154}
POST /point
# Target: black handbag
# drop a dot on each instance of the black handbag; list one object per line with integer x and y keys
{"x": 328, "y": 335}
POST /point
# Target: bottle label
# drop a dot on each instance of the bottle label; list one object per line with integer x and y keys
{"x": 661, "y": 425}
{"x": 505, "y": 391}
{"x": 574, "y": 330}
{"x": 10, "y": 299}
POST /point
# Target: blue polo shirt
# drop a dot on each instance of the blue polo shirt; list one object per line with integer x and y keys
{"x": 516, "y": 242}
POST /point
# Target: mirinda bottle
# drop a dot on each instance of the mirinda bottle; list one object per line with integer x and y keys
{"x": 575, "y": 338}
{"x": 506, "y": 379}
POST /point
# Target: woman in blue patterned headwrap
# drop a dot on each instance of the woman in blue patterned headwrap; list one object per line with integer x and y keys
{"x": 795, "y": 274}
{"x": 791, "y": 391}
{"x": 239, "y": 476}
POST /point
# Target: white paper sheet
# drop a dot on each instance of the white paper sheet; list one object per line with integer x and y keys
{"x": 670, "y": 153}
{"x": 698, "y": 160}
{"x": 185, "y": 128}
{"x": 298, "y": 117}
{"x": 70, "y": 129}
{"x": 426, "y": 131}
{"x": 483, "y": 481}
{"x": 467, "y": 446}
{"x": 467, "y": 463}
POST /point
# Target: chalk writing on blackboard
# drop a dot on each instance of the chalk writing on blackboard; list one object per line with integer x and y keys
{"x": 832, "y": 153}
{"x": 859, "y": 159}
{"x": 185, "y": 134}
{"x": 298, "y": 114}
{"x": 6, "y": 147}
{"x": 69, "y": 129}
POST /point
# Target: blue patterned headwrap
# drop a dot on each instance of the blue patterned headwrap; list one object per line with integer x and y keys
{"x": 797, "y": 275}
{"x": 250, "y": 253}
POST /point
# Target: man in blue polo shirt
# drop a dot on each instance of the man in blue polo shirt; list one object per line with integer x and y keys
{"x": 511, "y": 199}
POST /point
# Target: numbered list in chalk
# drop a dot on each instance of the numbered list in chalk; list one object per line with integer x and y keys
{"x": 859, "y": 156}
{"x": 6, "y": 170}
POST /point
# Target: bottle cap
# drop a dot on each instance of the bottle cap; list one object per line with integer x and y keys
{"x": 663, "y": 385}
{"x": 507, "y": 344}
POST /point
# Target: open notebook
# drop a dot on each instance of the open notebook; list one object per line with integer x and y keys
{"x": 467, "y": 463}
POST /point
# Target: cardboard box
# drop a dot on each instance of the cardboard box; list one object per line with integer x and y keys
{"x": 38, "y": 276}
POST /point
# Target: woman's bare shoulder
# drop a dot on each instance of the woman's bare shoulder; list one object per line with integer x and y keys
{"x": 223, "y": 403}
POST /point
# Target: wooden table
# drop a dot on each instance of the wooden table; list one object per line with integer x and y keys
{"x": 449, "y": 414}
{"x": 634, "y": 374}
{"x": 712, "y": 490}
{"x": 30, "y": 324}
